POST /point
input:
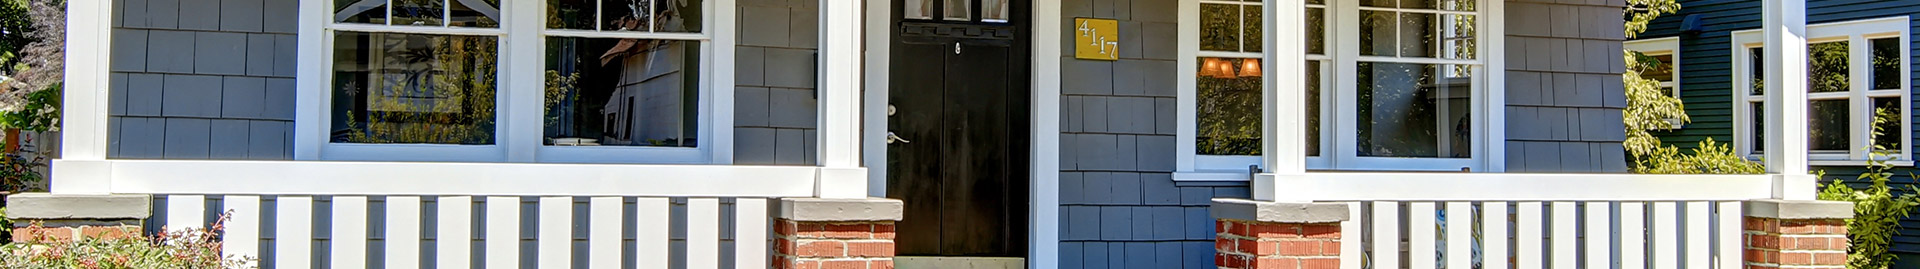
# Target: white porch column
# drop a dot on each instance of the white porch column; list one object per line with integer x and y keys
{"x": 83, "y": 121}
{"x": 1785, "y": 23}
{"x": 839, "y": 101}
{"x": 1285, "y": 113}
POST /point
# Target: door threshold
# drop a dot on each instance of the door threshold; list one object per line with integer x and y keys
{"x": 915, "y": 262}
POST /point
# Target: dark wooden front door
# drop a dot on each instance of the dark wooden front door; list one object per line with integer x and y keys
{"x": 959, "y": 98}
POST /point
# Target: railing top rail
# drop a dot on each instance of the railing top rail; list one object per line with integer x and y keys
{"x": 1520, "y": 187}
{"x": 477, "y": 179}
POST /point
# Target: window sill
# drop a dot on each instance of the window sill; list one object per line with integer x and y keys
{"x": 1211, "y": 176}
{"x": 1898, "y": 163}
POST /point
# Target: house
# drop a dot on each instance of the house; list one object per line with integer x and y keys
{"x": 875, "y": 134}
{"x": 1862, "y": 61}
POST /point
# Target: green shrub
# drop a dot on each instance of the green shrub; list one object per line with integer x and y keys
{"x": 188, "y": 248}
{"x": 1876, "y": 209}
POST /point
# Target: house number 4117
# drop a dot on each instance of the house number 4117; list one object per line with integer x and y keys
{"x": 1097, "y": 39}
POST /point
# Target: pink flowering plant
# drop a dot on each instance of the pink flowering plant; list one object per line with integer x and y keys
{"x": 184, "y": 248}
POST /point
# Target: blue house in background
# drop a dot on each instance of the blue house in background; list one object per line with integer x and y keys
{"x": 1862, "y": 59}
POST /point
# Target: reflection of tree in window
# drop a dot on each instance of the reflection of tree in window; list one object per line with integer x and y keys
{"x": 1229, "y": 107}
{"x": 410, "y": 88}
{"x": 1829, "y": 62}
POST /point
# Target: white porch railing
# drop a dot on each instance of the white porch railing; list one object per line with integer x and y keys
{"x": 1405, "y": 220}
{"x": 452, "y": 215}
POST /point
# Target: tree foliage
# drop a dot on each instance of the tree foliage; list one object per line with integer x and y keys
{"x": 1650, "y": 107}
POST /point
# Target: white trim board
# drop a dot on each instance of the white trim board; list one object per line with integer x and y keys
{"x": 1045, "y": 215}
{"x": 405, "y": 178}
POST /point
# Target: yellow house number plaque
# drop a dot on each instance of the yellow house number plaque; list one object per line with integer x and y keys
{"x": 1096, "y": 39}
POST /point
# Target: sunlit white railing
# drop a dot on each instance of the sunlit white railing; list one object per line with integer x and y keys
{"x": 453, "y": 215}
{"x": 1465, "y": 220}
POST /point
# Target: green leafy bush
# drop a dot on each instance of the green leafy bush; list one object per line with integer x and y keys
{"x": 188, "y": 248}
{"x": 1877, "y": 210}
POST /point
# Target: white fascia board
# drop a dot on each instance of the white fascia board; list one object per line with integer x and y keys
{"x": 1521, "y": 187}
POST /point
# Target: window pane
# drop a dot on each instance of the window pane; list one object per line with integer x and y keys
{"x": 1417, "y": 35}
{"x": 1412, "y": 112}
{"x": 1377, "y": 33}
{"x": 1316, "y": 31}
{"x": 1417, "y": 4}
{"x": 360, "y": 11}
{"x": 1219, "y": 27}
{"x": 622, "y": 92}
{"x": 417, "y": 12}
{"x": 1886, "y": 63}
{"x": 628, "y": 15}
{"x": 1886, "y": 122}
{"x": 1251, "y": 42}
{"x": 1662, "y": 71}
{"x": 1229, "y": 107}
{"x": 1460, "y": 5}
{"x": 413, "y": 88}
{"x": 1829, "y": 67}
{"x": 1313, "y": 108}
{"x": 1459, "y": 36}
{"x": 1756, "y": 71}
{"x": 1827, "y": 125}
{"x": 675, "y": 16}
{"x": 996, "y": 10}
{"x": 474, "y": 13}
{"x": 1316, "y": 2}
{"x": 1379, "y": 3}
{"x": 1759, "y": 119}
{"x": 959, "y": 10}
{"x": 917, "y": 9}
{"x": 571, "y": 14}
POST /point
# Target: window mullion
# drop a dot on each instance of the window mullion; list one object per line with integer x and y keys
{"x": 1860, "y": 108}
{"x": 1345, "y": 121}
{"x": 520, "y": 127}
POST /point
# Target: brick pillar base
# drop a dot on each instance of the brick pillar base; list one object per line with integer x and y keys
{"x": 1796, "y": 234}
{"x": 814, "y": 233}
{"x": 60, "y": 218}
{"x": 1270, "y": 235}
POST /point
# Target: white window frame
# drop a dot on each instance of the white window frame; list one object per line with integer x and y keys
{"x": 518, "y": 130}
{"x": 1335, "y": 151}
{"x": 1669, "y": 46}
{"x": 1859, "y": 96}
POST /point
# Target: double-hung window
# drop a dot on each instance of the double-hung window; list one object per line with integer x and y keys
{"x": 1857, "y": 83}
{"x": 578, "y": 81}
{"x": 1666, "y": 51}
{"x": 1390, "y": 85}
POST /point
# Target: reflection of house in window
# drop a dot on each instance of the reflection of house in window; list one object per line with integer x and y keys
{"x": 642, "y": 89}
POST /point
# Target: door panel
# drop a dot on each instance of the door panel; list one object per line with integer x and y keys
{"x": 977, "y": 217}
{"x": 918, "y": 117}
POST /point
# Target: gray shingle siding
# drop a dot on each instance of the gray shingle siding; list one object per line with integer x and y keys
{"x": 1120, "y": 207}
{"x": 1706, "y": 79}
{"x": 179, "y": 91}
{"x": 774, "y": 100}
{"x": 1563, "y": 89}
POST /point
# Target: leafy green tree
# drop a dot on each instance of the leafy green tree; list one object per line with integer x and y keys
{"x": 1649, "y": 108}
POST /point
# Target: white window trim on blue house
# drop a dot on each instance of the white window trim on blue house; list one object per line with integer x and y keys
{"x": 1337, "y": 154}
{"x": 1665, "y": 46}
{"x": 1857, "y": 32}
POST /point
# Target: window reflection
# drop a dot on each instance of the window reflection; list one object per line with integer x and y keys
{"x": 1413, "y": 112}
{"x": 1830, "y": 68}
{"x": 677, "y": 16}
{"x": 456, "y": 13}
{"x": 996, "y": 10}
{"x": 413, "y": 88}
{"x": 1229, "y": 107}
{"x": 621, "y": 92}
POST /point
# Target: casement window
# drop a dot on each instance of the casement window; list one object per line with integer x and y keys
{"x": 1390, "y": 85}
{"x": 1856, "y": 69}
{"x": 578, "y": 81}
{"x": 1667, "y": 51}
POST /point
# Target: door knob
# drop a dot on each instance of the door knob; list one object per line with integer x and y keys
{"x": 891, "y": 138}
